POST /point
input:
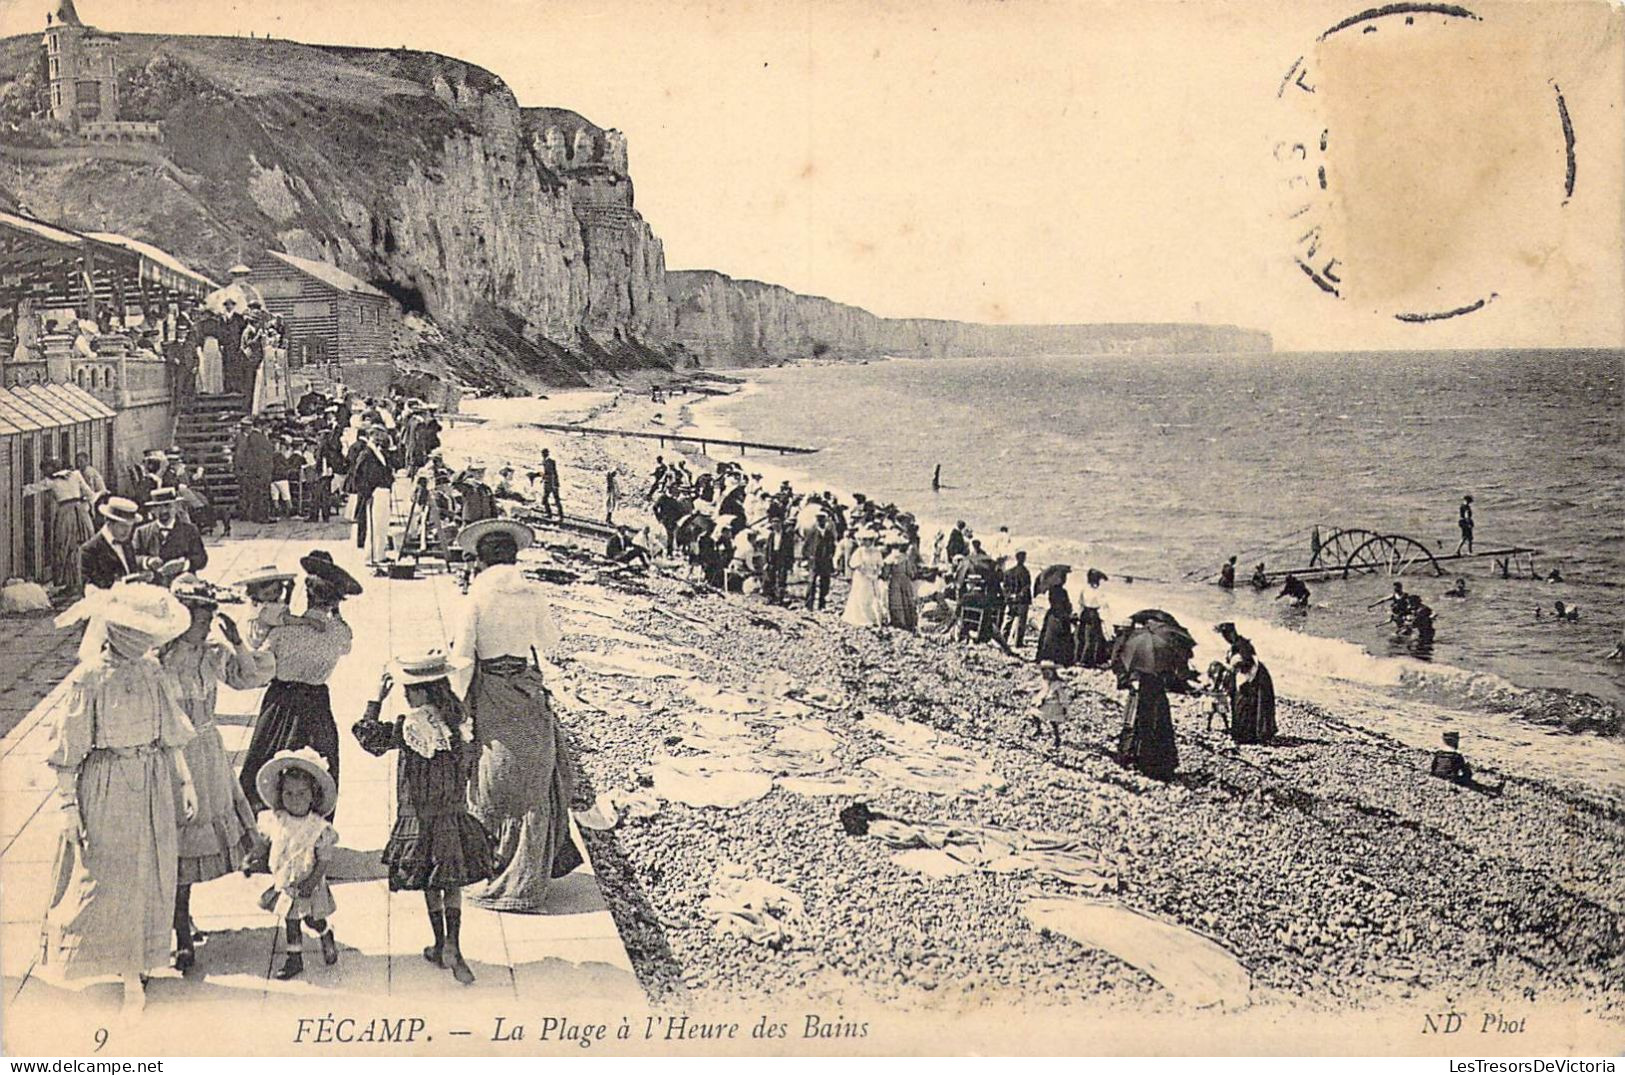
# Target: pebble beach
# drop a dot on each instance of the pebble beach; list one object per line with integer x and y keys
{"x": 1330, "y": 866}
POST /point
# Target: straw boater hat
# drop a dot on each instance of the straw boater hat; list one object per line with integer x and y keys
{"x": 320, "y": 565}
{"x": 120, "y": 509}
{"x": 161, "y": 496}
{"x": 468, "y": 538}
{"x": 263, "y": 575}
{"x": 427, "y": 667}
{"x": 268, "y": 781}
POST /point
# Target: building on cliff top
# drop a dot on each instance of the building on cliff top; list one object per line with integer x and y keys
{"x": 81, "y": 75}
{"x": 333, "y": 319}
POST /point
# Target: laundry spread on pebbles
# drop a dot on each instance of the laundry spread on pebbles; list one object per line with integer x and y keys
{"x": 1194, "y": 968}
{"x": 758, "y": 910}
{"x": 629, "y": 663}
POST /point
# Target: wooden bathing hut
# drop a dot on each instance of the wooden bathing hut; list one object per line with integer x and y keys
{"x": 39, "y": 422}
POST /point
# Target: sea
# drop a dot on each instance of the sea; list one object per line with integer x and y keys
{"x": 1155, "y": 469}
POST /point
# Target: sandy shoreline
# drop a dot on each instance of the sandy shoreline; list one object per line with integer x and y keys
{"x": 1338, "y": 872}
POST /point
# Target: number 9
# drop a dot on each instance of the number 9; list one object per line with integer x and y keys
{"x": 101, "y": 1038}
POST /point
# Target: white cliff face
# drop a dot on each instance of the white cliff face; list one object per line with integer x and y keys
{"x": 746, "y": 322}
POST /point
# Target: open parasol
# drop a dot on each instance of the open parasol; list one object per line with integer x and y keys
{"x": 1154, "y": 642}
{"x": 1050, "y": 576}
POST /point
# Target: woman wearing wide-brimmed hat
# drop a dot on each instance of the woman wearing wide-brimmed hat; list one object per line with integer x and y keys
{"x": 902, "y": 606}
{"x": 118, "y": 756}
{"x": 297, "y": 710}
{"x": 866, "y": 602}
{"x": 70, "y": 520}
{"x": 1055, "y": 637}
{"x": 220, "y": 837}
{"x": 1093, "y": 651}
{"x": 521, "y": 787}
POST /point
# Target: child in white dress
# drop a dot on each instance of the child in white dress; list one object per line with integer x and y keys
{"x": 300, "y": 842}
{"x": 1050, "y": 702}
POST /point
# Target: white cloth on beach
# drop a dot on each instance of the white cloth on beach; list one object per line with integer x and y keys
{"x": 709, "y": 780}
{"x": 756, "y": 909}
{"x": 1194, "y": 968}
{"x": 944, "y": 849}
{"x": 632, "y": 663}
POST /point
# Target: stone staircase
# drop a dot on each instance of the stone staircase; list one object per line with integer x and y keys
{"x": 204, "y": 431}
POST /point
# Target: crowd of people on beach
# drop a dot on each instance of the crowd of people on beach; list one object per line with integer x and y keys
{"x": 483, "y": 784}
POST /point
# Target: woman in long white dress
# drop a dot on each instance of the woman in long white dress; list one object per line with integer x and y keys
{"x": 118, "y": 753}
{"x": 866, "y": 603}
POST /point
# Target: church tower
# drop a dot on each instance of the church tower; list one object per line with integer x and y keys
{"x": 81, "y": 68}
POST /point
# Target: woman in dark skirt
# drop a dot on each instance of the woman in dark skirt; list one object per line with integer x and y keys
{"x": 436, "y": 846}
{"x": 1055, "y": 637}
{"x": 1252, "y": 690}
{"x": 521, "y": 787}
{"x": 1147, "y": 740}
{"x": 1093, "y": 652}
{"x": 296, "y": 710}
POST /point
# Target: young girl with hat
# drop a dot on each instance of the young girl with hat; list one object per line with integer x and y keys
{"x": 118, "y": 755}
{"x": 436, "y": 846}
{"x": 300, "y": 842}
{"x": 1051, "y": 702}
{"x": 221, "y": 836}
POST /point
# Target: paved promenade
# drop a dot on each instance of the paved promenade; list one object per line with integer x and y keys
{"x": 571, "y": 953}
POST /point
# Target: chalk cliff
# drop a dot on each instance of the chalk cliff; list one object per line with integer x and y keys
{"x": 513, "y": 231}
{"x": 746, "y": 322}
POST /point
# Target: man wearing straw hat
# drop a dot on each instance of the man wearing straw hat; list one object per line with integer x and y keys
{"x": 521, "y": 790}
{"x": 108, "y": 556}
{"x": 169, "y": 537}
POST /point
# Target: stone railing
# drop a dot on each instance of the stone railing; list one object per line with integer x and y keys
{"x": 120, "y": 377}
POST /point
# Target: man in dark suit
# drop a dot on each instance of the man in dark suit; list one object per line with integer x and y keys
{"x": 822, "y": 561}
{"x": 1018, "y": 599}
{"x": 169, "y": 537}
{"x": 550, "y": 486}
{"x": 107, "y": 557}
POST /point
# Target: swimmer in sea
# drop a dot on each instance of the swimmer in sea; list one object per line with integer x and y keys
{"x": 1555, "y": 576}
{"x": 1260, "y": 581}
{"x": 1458, "y": 590}
{"x": 1295, "y": 589}
{"x": 1572, "y": 615}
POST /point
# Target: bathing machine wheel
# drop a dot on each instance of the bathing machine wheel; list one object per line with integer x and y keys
{"x": 1392, "y": 555}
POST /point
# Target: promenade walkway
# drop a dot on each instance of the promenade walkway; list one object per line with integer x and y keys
{"x": 571, "y": 953}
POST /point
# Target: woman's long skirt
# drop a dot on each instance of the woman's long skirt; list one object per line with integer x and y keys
{"x": 521, "y": 790}
{"x": 1093, "y": 652}
{"x": 221, "y": 835}
{"x": 901, "y": 607}
{"x": 1147, "y": 742}
{"x": 1055, "y": 639}
{"x": 292, "y": 716}
{"x": 1252, "y": 711}
{"x": 70, "y": 528}
{"x": 113, "y": 905}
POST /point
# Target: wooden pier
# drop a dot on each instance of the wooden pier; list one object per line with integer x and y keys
{"x": 676, "y": 438}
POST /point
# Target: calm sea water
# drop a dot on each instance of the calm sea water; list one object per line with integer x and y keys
{"x": 1161, "y": 467}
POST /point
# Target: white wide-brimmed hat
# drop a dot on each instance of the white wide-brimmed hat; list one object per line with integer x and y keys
{"x": 138, "y": 606}
{"x": 427, "y": 667}
{"x": 468, "y": 538}
{"x": 268, "y": 781}
{"x": 262, "y": 575}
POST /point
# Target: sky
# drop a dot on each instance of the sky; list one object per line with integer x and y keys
{"x": 1038, "y": 161}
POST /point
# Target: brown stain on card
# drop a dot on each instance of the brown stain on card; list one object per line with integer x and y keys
{"x": 1444, "y": 154}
